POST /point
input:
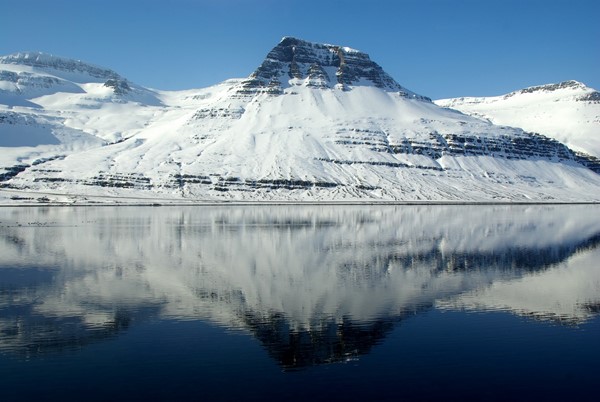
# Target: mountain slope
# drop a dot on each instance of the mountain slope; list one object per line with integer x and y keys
{"x": 313, "y": 122}
{"x": 568, "y": 111}
{"x": 73, "y": 94}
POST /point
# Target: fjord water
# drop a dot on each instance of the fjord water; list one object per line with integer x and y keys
{"x": 300, "y": 302}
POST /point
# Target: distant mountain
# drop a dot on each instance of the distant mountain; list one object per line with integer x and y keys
{"x": 312, "y": 122}
{"x": 568, "y": 111}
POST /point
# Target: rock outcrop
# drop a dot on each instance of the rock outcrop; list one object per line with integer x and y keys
{"x": 48, "y": 61}
{"x": 298, "y": 62}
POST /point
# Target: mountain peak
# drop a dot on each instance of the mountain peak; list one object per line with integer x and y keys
{"x": 293, "y": 41}
{"x": 570, "y": 84}
{"x": 297, "y": 62}
{"x": 47, "y": 61}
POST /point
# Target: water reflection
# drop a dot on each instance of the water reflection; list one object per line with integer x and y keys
{"x": 312, "y": 284}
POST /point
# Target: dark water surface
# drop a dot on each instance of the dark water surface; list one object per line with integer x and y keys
{"x": 300, "y": 302}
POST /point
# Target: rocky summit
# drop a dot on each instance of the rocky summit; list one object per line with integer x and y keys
{"x": 298, "y": 62}
{"x": 313, "y": 122}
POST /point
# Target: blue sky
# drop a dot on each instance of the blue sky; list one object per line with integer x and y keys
{"x": 438, "y": 48}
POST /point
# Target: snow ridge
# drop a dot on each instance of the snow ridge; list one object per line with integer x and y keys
{"x": 567, "y": 111}
{"x": 570, "y": 84}
{"x": 47, "y": 61}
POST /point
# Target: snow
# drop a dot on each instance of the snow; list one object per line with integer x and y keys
{"x": 555, "y": 113}
{"x": 64, "y": 68}
{"x": 335, "y": 143}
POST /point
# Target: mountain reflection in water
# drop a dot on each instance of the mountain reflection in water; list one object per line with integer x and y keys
{"x": 314, "y": 284}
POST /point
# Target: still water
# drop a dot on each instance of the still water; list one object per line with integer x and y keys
{"x": 300, "y": 302}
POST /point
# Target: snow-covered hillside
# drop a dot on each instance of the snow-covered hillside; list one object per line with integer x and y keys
{"x": 314, "y": 122}
{"x": 568, "y": 112}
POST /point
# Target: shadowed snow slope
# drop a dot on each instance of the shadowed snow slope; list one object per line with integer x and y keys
{"x": 313, "y": 122}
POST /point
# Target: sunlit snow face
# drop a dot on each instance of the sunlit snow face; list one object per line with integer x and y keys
{"x": 568, "y": 111}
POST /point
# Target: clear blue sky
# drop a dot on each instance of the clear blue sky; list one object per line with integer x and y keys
{"x": 438, "y": 48}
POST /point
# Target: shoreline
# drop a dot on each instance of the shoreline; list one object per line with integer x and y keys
{"x": 237, "y": 203}
{"x": 31, "y": 199}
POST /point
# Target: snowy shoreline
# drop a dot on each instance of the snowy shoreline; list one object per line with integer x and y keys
{"x": 224, "y": 203}
{"x": 12, "y": 198}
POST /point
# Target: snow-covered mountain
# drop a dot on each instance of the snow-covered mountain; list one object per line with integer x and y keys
{"x": 312, "y": 122}
{"x": 568, "y": 112}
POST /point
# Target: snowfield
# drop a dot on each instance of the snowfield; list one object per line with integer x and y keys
{"x": 568, "y": 111}
{"x": 313, "y": 123}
